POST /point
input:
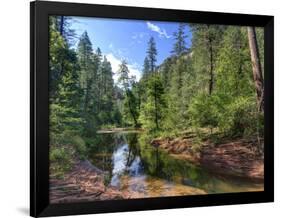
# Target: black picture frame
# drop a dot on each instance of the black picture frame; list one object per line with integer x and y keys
{"x": 39, "y": 108}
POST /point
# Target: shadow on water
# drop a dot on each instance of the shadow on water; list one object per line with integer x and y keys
{"x": 128, "y": 157}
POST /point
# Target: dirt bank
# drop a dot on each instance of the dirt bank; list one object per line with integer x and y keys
{"x": 236, "y": 158}
{"x": 83, "y": 183}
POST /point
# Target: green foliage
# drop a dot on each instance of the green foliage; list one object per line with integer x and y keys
{"x": 60, "y": 160}
{"x": 179, "y": 46}
{"x": 206, "y": 42}
{"x": 234, "y": 117}
{"x": 204, "y": 111}
{"x": 58, "y": 50}
{"x": 80, "y": 146}
{"x": 151, "y": 55}
{"x": 146, "y": 67}
{"x": 240, "y": 117}
{"x": 99, "y": 105}
{"x": 207, "y": 87}
{"x": 131, "y": 109}
{"x": 177, "y": 101}
{"x": 64, "y": 91}
{"x": 59, "y": 154}
{"x": 153, "y": 110}
{"x": 234, "y": 72}
{"x": 131, "y": 104}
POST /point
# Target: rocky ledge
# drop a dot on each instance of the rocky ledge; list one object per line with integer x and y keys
{"x": 83, "y": 183}
{"x": 237, "y": 158}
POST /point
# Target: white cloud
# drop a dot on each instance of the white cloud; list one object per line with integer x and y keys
{"x": 115, "y": 62}
{"x": 155, "y": 28}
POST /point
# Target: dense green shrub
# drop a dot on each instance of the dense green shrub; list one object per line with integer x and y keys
{"x": 58, "y": 154}
{"x": 61, "y": 160}
{"x": 80, "y": 146}
{"x": 240, "y": 117}
{"x": 236, "y": 116}
{"x": 204, "y": 111}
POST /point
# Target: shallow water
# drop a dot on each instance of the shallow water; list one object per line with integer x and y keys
{"x": 136, "y": 166}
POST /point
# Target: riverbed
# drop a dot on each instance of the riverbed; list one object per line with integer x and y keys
{"x": 131, "y": 164}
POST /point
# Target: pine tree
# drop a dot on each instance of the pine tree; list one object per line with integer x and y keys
{"x": 85, "y": 53}
{"x": 63, "y": 25}
{"x": 106, "y": 91}
{"x": 177, "y": 103}
{"x": 131, "y": 104}
{"x": 179, "y": 45}
{"x": 151, "y": 55}
{"x": 232, "y": 67}
{"x": 206, "y": 41}
{"x": 65, "y": 92}
{"x": 58, "y": 51}
{"x": 153, "y": 109}
{"x": 87, "y": 83}
{"x": 146, "y": 68}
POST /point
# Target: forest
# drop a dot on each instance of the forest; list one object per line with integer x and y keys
{"x": 210, "y": 93}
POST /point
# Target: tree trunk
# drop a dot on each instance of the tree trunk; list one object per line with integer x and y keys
{"x": 211, "y": 82}
{"x": 130, "y": 108}
{"x": 256, "y": 65}
{"x": 156, "y": 107}
{"x": 61, "y": 25}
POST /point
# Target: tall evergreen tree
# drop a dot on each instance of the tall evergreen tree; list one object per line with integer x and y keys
{"x": 106, "y": 92}
{"x": 63, "y": 25}
{"x": 151, "y": 55}
{"x": 131, "y": 104}
{"x": 153, "y": 109}
{"x": 146, "y": 68}
{"x": 87, "y": 82}
{"x": 65, "y": 92}
{"x": 177, "y": 101}
{"x": 179, "y": 36}
{"x": 205, "y": 44}
{"x": 85, "y": 53}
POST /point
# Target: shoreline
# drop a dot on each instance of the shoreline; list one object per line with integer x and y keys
{"x": 121, "y": 129}
{"x": 85, "y": 182}
{"x": 236, "y": 158}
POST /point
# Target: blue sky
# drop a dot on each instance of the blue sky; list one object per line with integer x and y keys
{"x": 127, "y": 39}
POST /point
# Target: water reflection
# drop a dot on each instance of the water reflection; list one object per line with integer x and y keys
{"x": 134, "y": 164}
{"x": 124, "y": 162}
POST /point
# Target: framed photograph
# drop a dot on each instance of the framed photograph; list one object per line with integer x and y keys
{"x": 144, "y": 108}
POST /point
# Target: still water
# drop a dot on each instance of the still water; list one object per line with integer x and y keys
{"x": 134, "y": 165}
